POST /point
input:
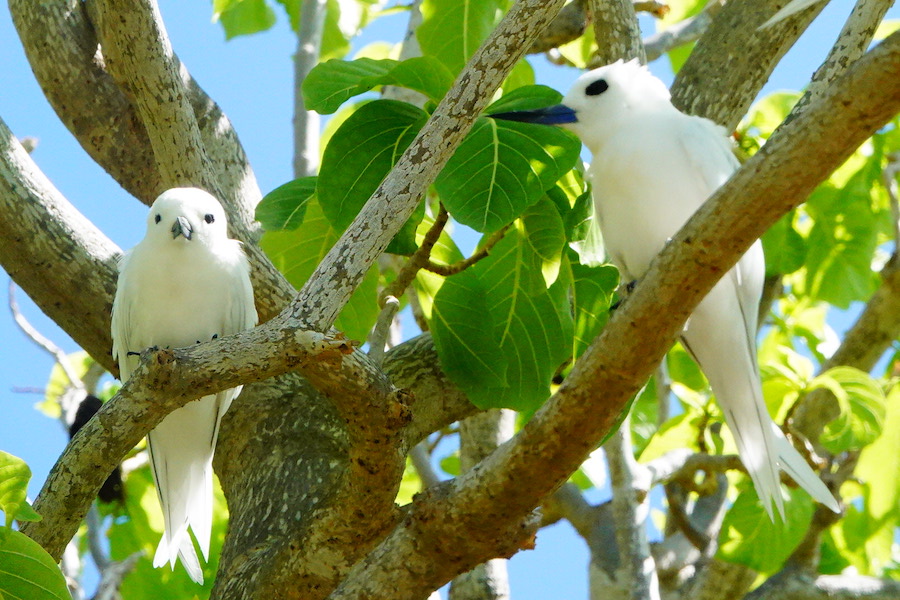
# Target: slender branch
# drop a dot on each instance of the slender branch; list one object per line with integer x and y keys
{"x": 852, "y": 42}
{"x": 420, "y": 258}
{"x": 382, "y": 328}
{"x": 630, "y": 509}
{"x": 421, "y": 460}
{"x": 306, "y": 122}
{"x": 684, "y": 32}
{"x": 35, "y": 336}
{"x": 479, "y": 435}
{"x": 482, "y": 252}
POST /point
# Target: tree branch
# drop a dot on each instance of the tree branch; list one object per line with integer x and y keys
{"x": 616, "y": 31}
{"x": 306, "y": 122}
{"x": 733, "y": 59}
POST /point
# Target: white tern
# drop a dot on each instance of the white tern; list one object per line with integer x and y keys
{"x": 652, "y": 168}
{"x": 186, "y": 282}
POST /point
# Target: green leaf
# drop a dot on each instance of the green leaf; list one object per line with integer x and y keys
{"x": 452, "y": 30}
{"x": 750, "y": 538}
{"x": 525, "y": 98}
{"x": 545, "y": 233}
{"x": 862, "y": 409}
{"x": 879, "y": 470}
{"x": 681, "y": 431}
{"x": 285, "y": 206}
{"x": 521, "y": 329}
{"x": 784, "y": 247}
{"x": 243, "y": 17}
{"x": 410, "y": 485}
{"x": 501, "y": 168}
{"x": 14, "y": 477}
{"x": 592, "y": 295}
{"x": 297, "y": 253}
{"x": 361, "y": 153}
{"x": 28, "y": 571}
{"x": 841, "y": 243}
{"x": 332, "y": 83}
{"x": 344, "y": 19}
{"x": 464, "y": 334}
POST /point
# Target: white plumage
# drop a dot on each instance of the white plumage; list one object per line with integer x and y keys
{"x": 186, "y": 282}
{"x": 652, "y": 168}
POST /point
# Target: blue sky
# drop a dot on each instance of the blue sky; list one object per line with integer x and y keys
{"x": 251, "y": 79}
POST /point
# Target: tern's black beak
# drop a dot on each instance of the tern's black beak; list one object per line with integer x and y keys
{"x": 182, "y": 227}
{"x": 552, "y": 115}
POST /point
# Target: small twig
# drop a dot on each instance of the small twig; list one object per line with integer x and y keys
{"x": 420, "y": 259}
{"x": 111, "y": 577}
{"x": 480, "y": 253}
{"x": 379, "y": 335}
{"x": 421, "y": 460}
{"x": 663, "y": 389}
{"x": 94, "y": 531}
{"x": 35, "y": 336}
{"x": 682, "y": 33}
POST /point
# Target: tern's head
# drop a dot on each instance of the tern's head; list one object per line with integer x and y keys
{"x": 601, "y": 99}
{"x": 183, "y": 215}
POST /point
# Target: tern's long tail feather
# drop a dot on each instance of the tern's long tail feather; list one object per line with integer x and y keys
{"x": 181, "y": 449}
{"x": 719, "y": 341}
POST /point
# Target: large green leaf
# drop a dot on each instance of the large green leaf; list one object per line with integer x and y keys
{"x": 502, "y": 168}
{"x": 361, "y": 153}
{"x": 27, "y": 571}
{"x": 14, "y": 477}
{"x": 285, "y": 206}
{"x": 464, "y": 334}
{"x": 592, "y": 295}
{"x": 546, "y": 234}
{"x": 750, "y": 538}
{"x": 784, "y": 247}
{"x": 296, "y": 254}
{"x": 243, "y": 17}
{"x": 452, "y": 30}
{"x": 530, "y": 324}
{"x": 344, "y": 20}
{"x": 862, "y": 409}
{"x": 332, "y": 83}
{"x": 841, "y": 243}
{"x": 879, "y": 470}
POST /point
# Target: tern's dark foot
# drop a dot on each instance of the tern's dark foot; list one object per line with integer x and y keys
{"x": 625, "y": 290}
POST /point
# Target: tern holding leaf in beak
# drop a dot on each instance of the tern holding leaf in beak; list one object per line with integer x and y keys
{"x": 652, "y": 168}
{"x": 186, "y": 282}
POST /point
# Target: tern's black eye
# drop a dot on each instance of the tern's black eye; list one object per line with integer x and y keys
{"x": 596, "y": 88}
{"x": 209, "y": 218}
{"x": 157, "y": 219}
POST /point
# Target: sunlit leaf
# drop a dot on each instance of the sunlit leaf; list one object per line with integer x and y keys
{"x": 14, "y": 478}
{"x": 361, "y": 153}
{"x": 862, "y": 409}
{"x": 452, "y": 30}
{"x": 285, "y": 206}
{"x": 750, "y": 538}
{"x": 27, "y": 571}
